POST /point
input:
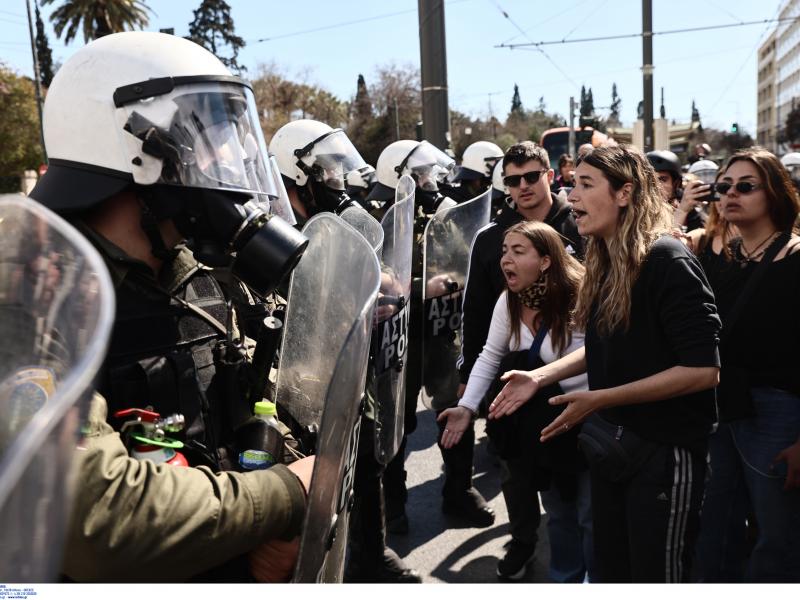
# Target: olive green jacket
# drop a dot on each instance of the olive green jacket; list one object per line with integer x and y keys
{"x": 133, "y": 520}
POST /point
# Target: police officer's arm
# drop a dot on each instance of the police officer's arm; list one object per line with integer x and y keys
{"x": 133, "y": 520}
{"x": 477, "y": 309}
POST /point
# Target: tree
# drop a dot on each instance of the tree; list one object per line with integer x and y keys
{"x": 587, "y": 103}
{"x": 43, "y": 53}
{"x": 695, "y": 113}
{"x": 791, "y": 131}
{"x": 20, "y": 145}
{"x": 280, "y": 100}
{"x": 616, "y": 106}
{"x": 362, "y": 104}
{"x": 213, "y": 29}
{"x": 97, "y": 17}
{"x": 516, "y": 102}
{"x": 542, "y": 106}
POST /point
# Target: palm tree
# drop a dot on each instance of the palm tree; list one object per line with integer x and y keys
{"x": 99, "y": 17}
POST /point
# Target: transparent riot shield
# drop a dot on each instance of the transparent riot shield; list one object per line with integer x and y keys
{"x": 447, "y": 245}
{"x": 56, "y": 312}
{"x": 360, "y": 220}
{"x": 390, "y": 334}
{"x": 321, "y": 378}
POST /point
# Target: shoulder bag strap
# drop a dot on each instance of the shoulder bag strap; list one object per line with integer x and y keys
{"x": 752, "y": 283}
{"x": 536, "y": 346}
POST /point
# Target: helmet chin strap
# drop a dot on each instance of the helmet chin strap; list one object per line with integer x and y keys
{"x": 149, "y": 224}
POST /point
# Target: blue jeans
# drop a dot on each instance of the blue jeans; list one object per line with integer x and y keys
{"x": 742, "y": 482}
{"x": 569, "y": 528}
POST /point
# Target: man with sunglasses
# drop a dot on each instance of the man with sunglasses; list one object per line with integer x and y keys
{"x": 527, "y": 176}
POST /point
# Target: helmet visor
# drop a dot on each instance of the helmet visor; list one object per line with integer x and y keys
{"x": 429, "y": 166}
{"x": 207, "y": 136}
{"x": 332, "y": 158}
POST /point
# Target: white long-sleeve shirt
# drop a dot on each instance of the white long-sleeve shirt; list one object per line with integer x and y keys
{"x": 499, "y": 343}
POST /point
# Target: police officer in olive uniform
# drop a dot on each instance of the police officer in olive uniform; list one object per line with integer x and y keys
{"x": 151, "y": 142}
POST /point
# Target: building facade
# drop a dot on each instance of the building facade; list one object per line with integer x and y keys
{"x": 766, "y": 133}
{"x": 786, "y": 68}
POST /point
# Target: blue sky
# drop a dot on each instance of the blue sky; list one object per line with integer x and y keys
{"x": 715, "y": 68}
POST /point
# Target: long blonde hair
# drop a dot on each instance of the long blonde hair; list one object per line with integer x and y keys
{"x": 563, "y": 279}
{"x": 612, "y": 268}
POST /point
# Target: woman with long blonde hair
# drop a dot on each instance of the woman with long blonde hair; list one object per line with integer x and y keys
{"x": 652, "y": 361}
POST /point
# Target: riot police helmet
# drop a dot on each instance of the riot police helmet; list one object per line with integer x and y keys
{"x": 428, "y": 165}
{"x": 143, "y": 108}
{"x": 478, "y": 161}
{"x": 311, "y": 149}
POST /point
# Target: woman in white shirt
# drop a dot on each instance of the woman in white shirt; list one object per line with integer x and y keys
{"x": 542, "y": 282}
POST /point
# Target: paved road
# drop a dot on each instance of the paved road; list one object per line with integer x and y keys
{"x": 439, "y": 547}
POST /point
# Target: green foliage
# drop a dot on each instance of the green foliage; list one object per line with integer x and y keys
{"x": 587, "y": 103}
{"x": 43, "y": 53}
{"x": 20, "y": 142}
{"x": 213, "y": 29}
{"x": 791, "y": 130}
{"x": 614, "y": 119}
{"x": 97, "y": 17}
{"x": 280, "y": 100}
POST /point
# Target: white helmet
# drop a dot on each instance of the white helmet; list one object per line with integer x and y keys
{"x": 307, "y": 147}
{"x": 792, "y": 163}
{"x": 499, "y": 189}
{"x": 478, "y": 161}
{"x": 149, "y": 108}
{"x": 704, "y": 170}
{"x": 428, "y": 165}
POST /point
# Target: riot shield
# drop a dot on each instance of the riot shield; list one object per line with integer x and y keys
{"x": 56, "y": 313}
{"x": 360, "y": 220}
{"x": 321, "y": 378}
{"x": 447, "y": 245}
{"x": 390, "y": 334}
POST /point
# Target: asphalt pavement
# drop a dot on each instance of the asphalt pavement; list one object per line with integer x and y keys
{"x": 441, "y": 548}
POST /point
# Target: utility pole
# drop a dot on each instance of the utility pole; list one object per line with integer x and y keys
{"x": 647, "y": 72}
{"x": 396, "y": 119}
{"x": 571, "y": 143}
{"x": 433, "y": 63}
{"x": 37, "y": 78}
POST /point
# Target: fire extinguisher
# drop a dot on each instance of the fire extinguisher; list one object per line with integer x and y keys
{"x": 144, "y": 434}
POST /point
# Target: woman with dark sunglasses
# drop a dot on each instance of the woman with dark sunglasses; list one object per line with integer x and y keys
{"x": 755, "y": 453}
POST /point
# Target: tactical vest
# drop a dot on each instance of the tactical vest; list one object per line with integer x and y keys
{"x": 165, "y": 357}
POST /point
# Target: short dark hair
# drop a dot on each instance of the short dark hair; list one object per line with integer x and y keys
{"x": 520, "y": 153}
{"x": 564, "y": 159}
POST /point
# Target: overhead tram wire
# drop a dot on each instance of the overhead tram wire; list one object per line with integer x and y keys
{"x": 545, "y": 54}
{"x": 639, "y": 34}
{"x": 547, "y": 20}
{"x": 343, "y": 24}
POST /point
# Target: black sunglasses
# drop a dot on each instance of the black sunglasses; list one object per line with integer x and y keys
{"x": 743, "y": 187}
{"x": 531, "y": 177}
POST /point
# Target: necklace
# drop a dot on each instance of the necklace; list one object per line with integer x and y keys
{"x": 744, "y": 257}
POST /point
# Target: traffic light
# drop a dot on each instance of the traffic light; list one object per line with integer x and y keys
{"x": 734, "y": 128}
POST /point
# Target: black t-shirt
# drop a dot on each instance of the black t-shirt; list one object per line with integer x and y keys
{"x": 673, "y": 322}
{"x": 763, "y": 342}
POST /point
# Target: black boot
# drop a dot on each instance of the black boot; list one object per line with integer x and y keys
{"x": 459, "y": 498}
{"x": 370, "y": 560}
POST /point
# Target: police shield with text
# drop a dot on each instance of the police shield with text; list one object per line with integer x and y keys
{"x": 321, "y": 378}
{"x": 390, "y": 341}
{"x": 56, "y": 311}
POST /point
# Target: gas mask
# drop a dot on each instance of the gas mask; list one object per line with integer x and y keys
{"x": 216, "y": 182}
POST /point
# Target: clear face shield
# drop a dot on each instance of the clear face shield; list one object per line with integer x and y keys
{"x": 331, "y": 159}
{"x": 706, "y": 175}
{"x": 428, "y": 165}
{"x": 209, "y": 142}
